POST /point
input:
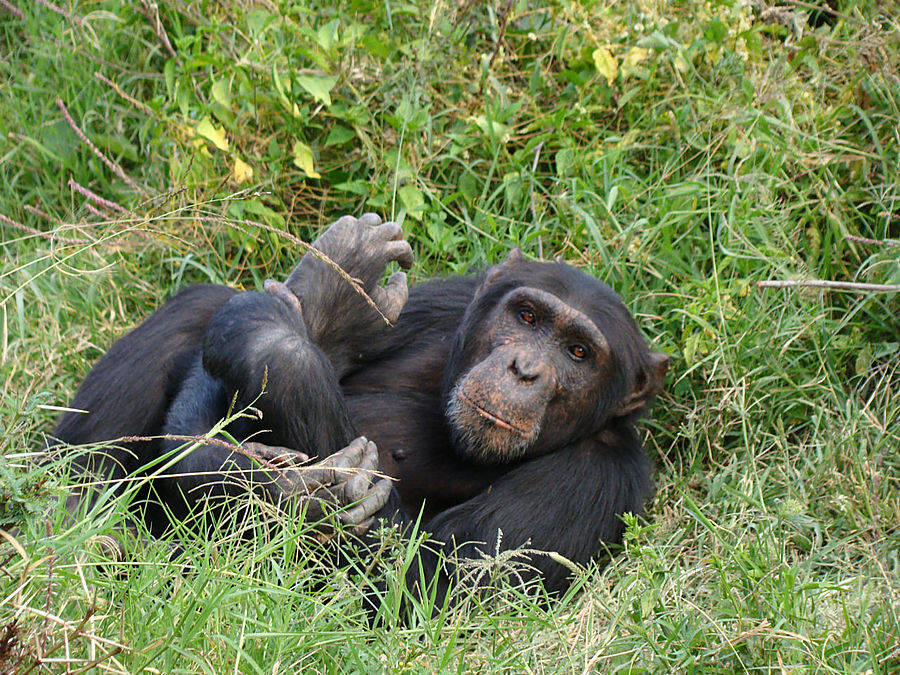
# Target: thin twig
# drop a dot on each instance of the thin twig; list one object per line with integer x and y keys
{"x": 91, "y": 208}
{"x": 151, "y": 11}
{"x": 143, "y": 107}
{"x": 500, "y": 34}
{"x": 97, "y": 199}
{"x": 13, "y": 9}
{"x": 104, "y": 657}
{"x": 51, "y": 559}
{"x": 873, "y": 242}
{"x": 837, "y": 285}
{"x": 239, "y": 449}
{"x": 115, "y": 168}
{"x": 46, "y": 235}
{"x": 78, "y": 630}
{"x": 42, "y": 214}
{"x": 53, "y": 8}
{"x": 534, "y": 218}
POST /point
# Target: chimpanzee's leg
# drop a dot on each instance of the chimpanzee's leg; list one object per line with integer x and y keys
{"x": 215, "y": 470}
{"x": 258, "y": 352}
{"x": 127, "y": 393}
{"x": 258, "y": 349}
{"x": 260, "y": 341}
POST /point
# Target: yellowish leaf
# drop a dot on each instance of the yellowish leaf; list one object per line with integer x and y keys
{"x": 303, "y": 159}
{"x": 201, "y": 146}
{"x": 632, "y": 59}
{"x": 243, "y": 172}
{"x": 217, "y": 137}
{"x": 606, "y": 64}
{"x": 712, "y": 53}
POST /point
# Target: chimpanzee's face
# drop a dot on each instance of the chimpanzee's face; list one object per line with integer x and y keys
{"x": 533, "y": 374}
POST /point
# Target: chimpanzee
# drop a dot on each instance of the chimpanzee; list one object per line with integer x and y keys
{"x": 500, "y": 403}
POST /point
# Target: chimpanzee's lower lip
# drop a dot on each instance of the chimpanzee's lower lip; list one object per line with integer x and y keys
{"x": 503, "y": 424}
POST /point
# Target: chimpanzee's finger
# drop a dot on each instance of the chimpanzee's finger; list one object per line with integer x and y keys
{"x": 374, "y": 501}
{"x": 275, "y": 454}
{"x": 335, "y": 468}
{"x": 389, "y": 231}
{"x": 370, "y": 220}
{"x": 391, "y": 298}
{"x": 358, "y": 485}
{"x": 401, "y": 251}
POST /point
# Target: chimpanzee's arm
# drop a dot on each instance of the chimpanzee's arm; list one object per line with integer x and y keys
{"x": 568, "y": 502}
{"x": 215, "y": 471}
{"x": 338, "y": 316}
{"x": 257, "y": 347}
{"x": 258, "y": 351}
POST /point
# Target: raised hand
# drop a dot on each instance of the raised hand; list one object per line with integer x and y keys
{"x": 336, "y": 314}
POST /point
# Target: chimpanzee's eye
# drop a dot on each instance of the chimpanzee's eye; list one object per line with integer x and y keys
{"x": 527, "y": 316}
{"x": 578, "y": 352}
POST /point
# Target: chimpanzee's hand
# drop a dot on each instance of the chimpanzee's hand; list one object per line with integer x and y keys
{"x": 337, "y": 316}
{"x": 342, "y": 484}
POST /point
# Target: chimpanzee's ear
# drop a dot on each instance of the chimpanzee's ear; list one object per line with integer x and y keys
{"x": 515, "y": 256}
{"x": 649, "y": 383}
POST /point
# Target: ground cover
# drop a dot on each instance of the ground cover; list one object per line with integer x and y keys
{"x": 682, "y": 150}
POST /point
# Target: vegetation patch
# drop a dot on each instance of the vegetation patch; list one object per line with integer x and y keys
{"x": 682, "y": 150}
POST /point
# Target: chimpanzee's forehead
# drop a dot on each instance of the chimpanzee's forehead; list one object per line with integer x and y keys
{"x": 567, "y": 317}
{"x": 569, "y": 284}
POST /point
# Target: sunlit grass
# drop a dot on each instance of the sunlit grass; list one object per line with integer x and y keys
{"x": 733, "y": 144}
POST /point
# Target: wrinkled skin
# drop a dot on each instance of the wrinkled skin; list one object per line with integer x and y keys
{"x": 341, "y": 484}
{"x": 533, "y": 364}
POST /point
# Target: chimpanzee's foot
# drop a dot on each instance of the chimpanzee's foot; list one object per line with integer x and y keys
{"x": 344, "y": 483}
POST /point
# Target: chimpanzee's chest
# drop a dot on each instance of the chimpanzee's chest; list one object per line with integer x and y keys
{"x": 414, "y": 447}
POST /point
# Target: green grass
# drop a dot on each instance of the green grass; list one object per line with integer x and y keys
{"x": 732, "y": 146}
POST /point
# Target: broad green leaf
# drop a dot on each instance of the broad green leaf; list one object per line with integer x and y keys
{"x": 318, "y": 87}
{"x": 221, "y": 92}
{"x": 413, "y": 200}
{"x": 356, "y": 187}
{"x": 259, "y": 20}
{"x": 263, "y": 212}
{"x": 327, "y": 35}
{"x": 118, "y": 145}
{"x": 468, "y": 186}
{"x": 606, "y": 64}
{"x": 217, "y": 137}
{"x": 493, "y": 128}
{"x": 339, "y": 135}
{"x": 303, "y": 159}
{"x": 656, "y": 40}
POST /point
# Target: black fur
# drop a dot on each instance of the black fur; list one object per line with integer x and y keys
{"x": 178, "y": 372}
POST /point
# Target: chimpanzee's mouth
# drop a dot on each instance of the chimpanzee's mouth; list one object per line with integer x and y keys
{"x": 491, "y": 417}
